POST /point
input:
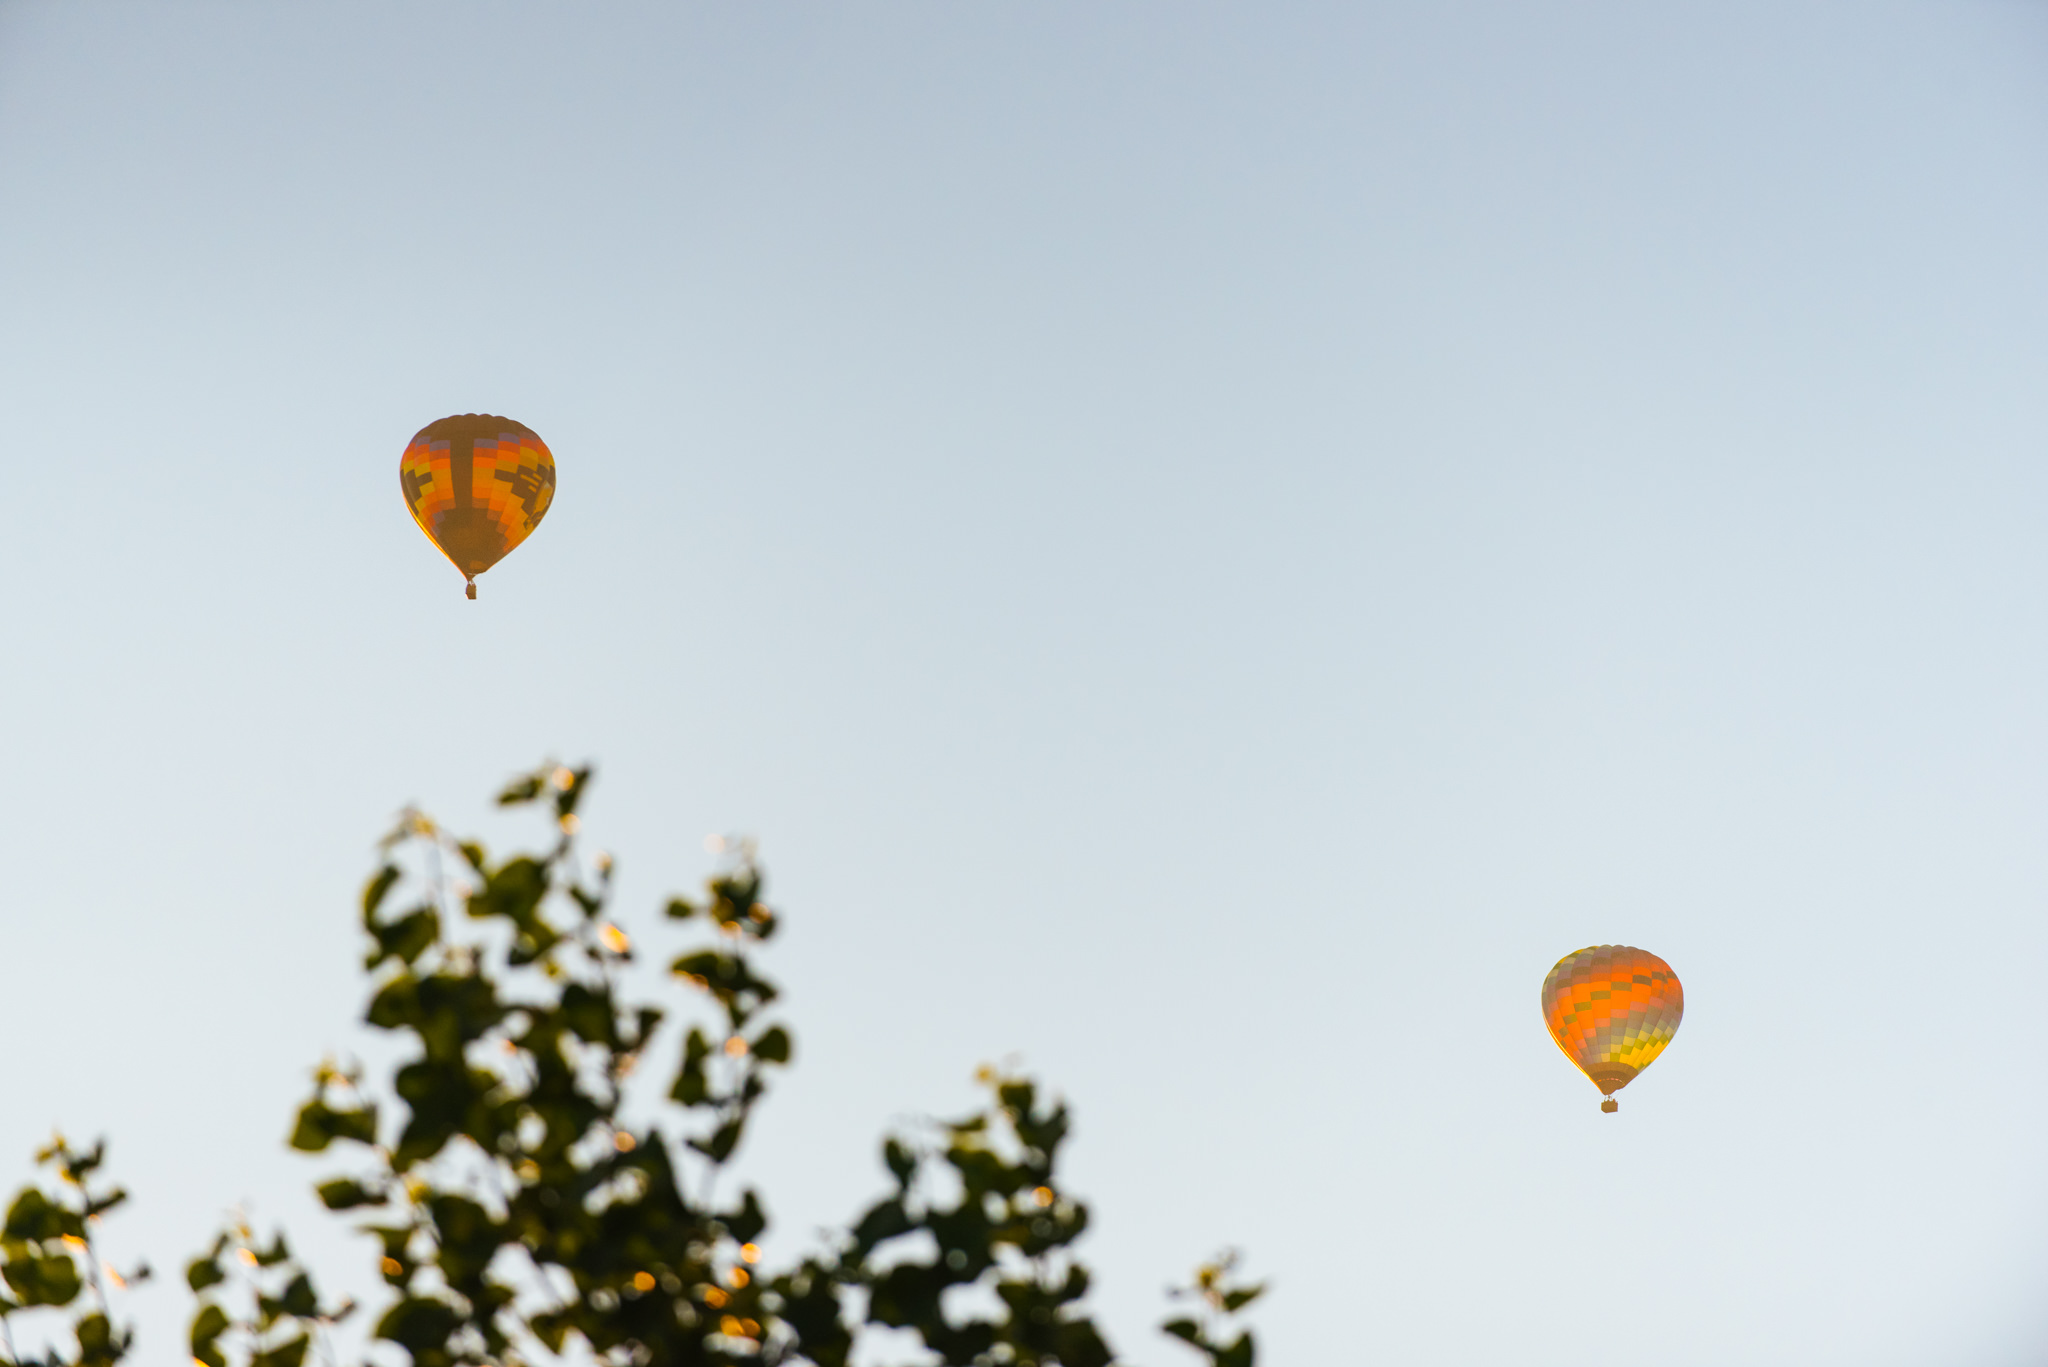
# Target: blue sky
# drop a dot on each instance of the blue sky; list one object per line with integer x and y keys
{"x": 1211, "y": 544}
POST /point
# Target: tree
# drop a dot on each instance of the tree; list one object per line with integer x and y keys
{"x": 517, "y": 1217}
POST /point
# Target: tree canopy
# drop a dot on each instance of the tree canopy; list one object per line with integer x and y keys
{"x": 517, "y": 1217}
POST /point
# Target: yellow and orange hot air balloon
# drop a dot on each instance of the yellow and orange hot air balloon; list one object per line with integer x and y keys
{"x": 1612, "y": 1009}
{"x": 478, "y": 486}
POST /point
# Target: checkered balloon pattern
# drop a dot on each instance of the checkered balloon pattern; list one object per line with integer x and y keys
{"x": 478, "y": 486}
{"x": 1612, "y": 1009}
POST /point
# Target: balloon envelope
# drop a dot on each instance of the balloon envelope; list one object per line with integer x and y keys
{"x": 478, "y": 486}
{"x": 1612, "y": 1009}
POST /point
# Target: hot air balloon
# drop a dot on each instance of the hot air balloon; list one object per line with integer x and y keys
{"x": 1612, "y": 1009}
{"x": 478, "y": 486}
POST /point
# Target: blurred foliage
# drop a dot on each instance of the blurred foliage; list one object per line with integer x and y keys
{"x": 1218, "y": 1300}
{"x": 50, "y": 1260}
{"x": 983, "y": 1203}
{"x": 257, "y": 1304}
{"x": 520, "y": 1215}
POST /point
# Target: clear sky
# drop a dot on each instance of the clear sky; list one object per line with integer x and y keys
{"x": 1211, "y": 544}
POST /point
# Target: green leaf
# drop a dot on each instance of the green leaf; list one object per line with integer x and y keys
{"x": 907, "y": 1294}
{"x": 34, "y": 1217}
{"x": 884, "y": 1221}
{"x": 587, "y": 1012}
{"x": 345, "y": 1193}
{"x": 395, "y": 1239}
{"x": 420, "y": 1326}
{"x": 406, "y": 938}
{"x": 746, "y": 1223}
{"x": 645, "y": 1021}
{"x": 1077, "y": 1344}
{"x": 299, "y": 1299}
{"x": 290, "y": 1353}
{"x": 469, "y": 1239}
{"x": 374, "y": 891}
{"x": 567, "y": 798}
{"x": 106, "y": 1201}
{"x": 723, "y": 1140}
{"x": 42, "y": 1281}
{"x": 524, "y": 789}
{"x": 77, "y": 1165}
{"x": 513, "y": 891}
{"x": 203, "y": 1272}
{"x": 692, "y": 1084}
{"x": 320, "y": 1125}
{"x": 443, "y": 1096}
{"x": 773, "y": 1046}
{"x": 811, "y": 1307}
{"x": 207, "y": 1327}
{"x": 97, "y": 1346}
{"x": 1184, "y": 1329}
{"x": 446, "y": 1010}
{"x": 314, "y": 1130}
{"x": 728, "y": 979}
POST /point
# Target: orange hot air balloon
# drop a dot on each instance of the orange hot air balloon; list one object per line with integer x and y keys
{"x": 1612, "y": 1009}
{"x": 478, "y": 486}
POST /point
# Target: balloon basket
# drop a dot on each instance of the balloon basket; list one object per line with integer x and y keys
{"x": 1610, "y": 1106}
{"x": 470, "y": 592}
